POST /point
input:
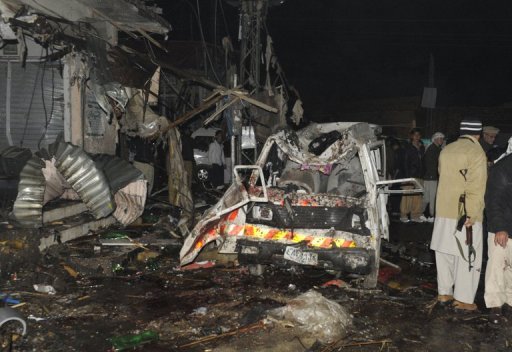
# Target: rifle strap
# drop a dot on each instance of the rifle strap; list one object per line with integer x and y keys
{"x": 461, "y": 251}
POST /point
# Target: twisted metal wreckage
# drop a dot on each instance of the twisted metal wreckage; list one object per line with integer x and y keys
{"x": 83, "y": 35}
{"x": 315, "y": 198}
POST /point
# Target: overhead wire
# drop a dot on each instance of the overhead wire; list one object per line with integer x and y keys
{"x": 215, "y": 22}
{"x": 205, "y": 47}
{"x": 225, "y": 20}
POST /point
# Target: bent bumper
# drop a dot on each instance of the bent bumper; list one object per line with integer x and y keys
{"x": 350, "y": 260}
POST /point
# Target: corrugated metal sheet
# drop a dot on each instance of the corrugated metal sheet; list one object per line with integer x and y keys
{"x": 85, "y": 178}
{"x": 130, "y": 201}
{"x": 56, "y": 184}
{"x": 128, "y": 185}
{"x": 27, "y": 113}
{"x": 28, "y": 206}
{"x": 119, "y": 172}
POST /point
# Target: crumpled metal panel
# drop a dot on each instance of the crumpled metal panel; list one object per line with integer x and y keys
{"x": 295, "y": 144}
{"x": 28, "y": 206}
{"x": 85, "y": 178}
{"x": 130, "y": 201}
{"x": 128, "y": 185}
{"x": 119, "y": 172}
{"x": 56, "y": 184}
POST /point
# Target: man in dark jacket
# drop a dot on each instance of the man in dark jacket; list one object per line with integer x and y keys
{"x": 431, "y": 165}
{"x": 498, "y": 208}
{"x": 413, "y": 167}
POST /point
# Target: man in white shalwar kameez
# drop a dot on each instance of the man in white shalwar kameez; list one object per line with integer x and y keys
{"x": 462, "y": 172}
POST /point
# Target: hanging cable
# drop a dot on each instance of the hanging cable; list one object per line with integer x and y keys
{"x": 225, "y": 21}
{"x": 27, "y": 115}
{"x": 47, "y": 120}
{"x": 42, "y": 93}
{"x": 215, "y": 23}
{"x": 205, "y": 47}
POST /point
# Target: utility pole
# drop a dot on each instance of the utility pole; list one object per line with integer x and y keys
{"x": 252, "y": 17}
{"x": 253, "y": 14}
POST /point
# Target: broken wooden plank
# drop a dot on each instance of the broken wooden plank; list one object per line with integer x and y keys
{"x": 190, "y": 114}
{"x": 255, "y": 102}
{"x": 152, "y": 40}
{"x": 214, "y": 116}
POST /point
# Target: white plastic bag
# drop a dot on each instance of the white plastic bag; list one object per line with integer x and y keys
{"x": 314, "y": 314}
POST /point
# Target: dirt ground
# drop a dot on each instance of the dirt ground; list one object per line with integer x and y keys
{"x": 224, "y": 308}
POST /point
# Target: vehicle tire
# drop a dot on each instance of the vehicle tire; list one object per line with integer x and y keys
{"x": 202, "y": 173}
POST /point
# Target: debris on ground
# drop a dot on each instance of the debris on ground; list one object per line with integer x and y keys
{"x": 315, "y": 315}
{"x": 126, "y": 342}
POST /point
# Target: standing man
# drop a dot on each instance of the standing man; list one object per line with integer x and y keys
{"x": 498, "y": 208}
{"x": 462, "y": 177}
{"x": 413, "y": 167}
{"x": 489, "y": 134}
{"x": 216, "y": 158}
{"x": 431, "y": 162}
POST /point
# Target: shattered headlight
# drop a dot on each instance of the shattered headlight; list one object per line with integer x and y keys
{"x": 356, "y": 221}
{"x": 262, "y": 213}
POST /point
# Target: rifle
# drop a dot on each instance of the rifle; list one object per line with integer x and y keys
{"x": 469, "y": 235}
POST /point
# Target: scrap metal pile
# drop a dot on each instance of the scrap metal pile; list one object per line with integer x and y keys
{"x": 107, "y": 185}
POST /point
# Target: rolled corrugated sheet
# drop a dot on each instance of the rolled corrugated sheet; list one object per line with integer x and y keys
{"x": 130, "y": 201}
{"x": 85, "y": 178}
{"x": 28, "y": 207}
{"x": 56, "y": 184}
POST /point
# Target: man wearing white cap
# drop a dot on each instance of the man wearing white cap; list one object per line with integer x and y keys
{"x": 489, "y": 134}
{"x": 431, "y": 161}
{"x": 460, "y": 196}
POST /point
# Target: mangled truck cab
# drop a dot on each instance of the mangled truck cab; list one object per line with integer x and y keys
{"x": 316, "y": 197}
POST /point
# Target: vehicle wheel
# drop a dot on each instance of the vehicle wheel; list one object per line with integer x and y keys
{"x": 202, "y": 174}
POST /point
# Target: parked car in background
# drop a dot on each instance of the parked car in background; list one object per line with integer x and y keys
{"x": 316, "y": 197}
{"x": 202, "y": 138}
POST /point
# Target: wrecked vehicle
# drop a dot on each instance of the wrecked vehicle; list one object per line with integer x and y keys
{"x": 314, "y": 198}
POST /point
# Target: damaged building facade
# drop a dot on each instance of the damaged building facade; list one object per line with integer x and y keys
{"x": 61, "y": 108}
{"x": 83, "y": 83}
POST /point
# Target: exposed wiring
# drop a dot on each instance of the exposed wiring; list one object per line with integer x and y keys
{"x": 215, "y": 22}
{"x": 203, "y": 41}
{"x": 205, "y": 47}
{"x": 27, "y": 115}
{"x": 47, "y": 120}
{"x": 224, "y": 18}
{"x": 42, "y": 98}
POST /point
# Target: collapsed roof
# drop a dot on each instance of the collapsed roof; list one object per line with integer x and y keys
{"x": 125, "y": 15}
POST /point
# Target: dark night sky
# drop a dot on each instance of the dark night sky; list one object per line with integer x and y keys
{"x": 337, "y": 50}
